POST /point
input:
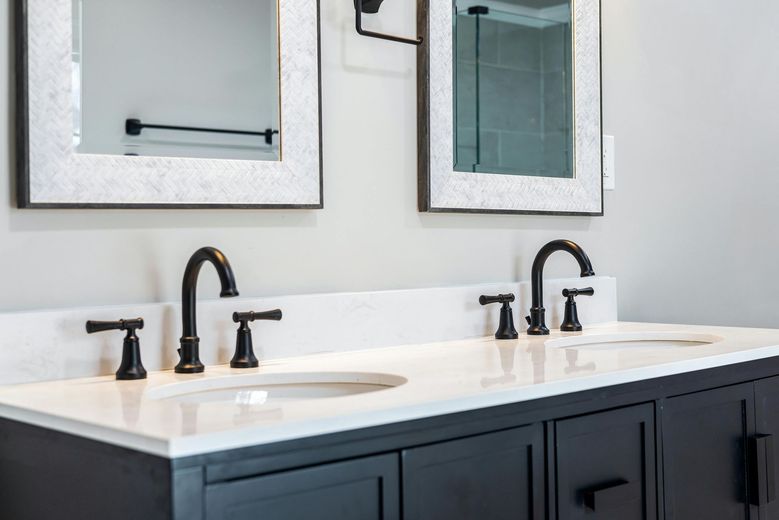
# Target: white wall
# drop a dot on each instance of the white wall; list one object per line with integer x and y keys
{"x": 688, "y": 92}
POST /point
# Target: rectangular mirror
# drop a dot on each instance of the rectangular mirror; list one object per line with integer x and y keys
{"x": 169, "y": 103}
{"x": 513, "y": 89}
{"x": 514, "y": 124}
{"x": 176, "y": 78}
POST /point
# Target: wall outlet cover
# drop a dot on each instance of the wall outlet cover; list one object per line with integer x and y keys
{"x": 609, "y": 170}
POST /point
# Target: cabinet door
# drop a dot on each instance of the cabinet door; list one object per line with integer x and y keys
{"x": 362, "y": 489}
{"x": 705, "y": 462}
{"x": 765, "y": 452}
{"x": 606, "y": 465}
{"x": 494, "y": 476}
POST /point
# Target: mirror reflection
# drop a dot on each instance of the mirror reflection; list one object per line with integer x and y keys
{"x": 176, "y": 78}
{"x": 513, "y": 87}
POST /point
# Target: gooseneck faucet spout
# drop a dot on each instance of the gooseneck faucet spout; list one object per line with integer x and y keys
{"x": 189, "y": 353}
{"x": 537, "y": 312}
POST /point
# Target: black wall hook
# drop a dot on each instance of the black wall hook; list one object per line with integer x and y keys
{"x": 371, "y": 7}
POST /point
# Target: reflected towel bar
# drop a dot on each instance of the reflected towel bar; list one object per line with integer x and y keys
{"x": 135, "y": 126}
{"x": 373, "y": 7}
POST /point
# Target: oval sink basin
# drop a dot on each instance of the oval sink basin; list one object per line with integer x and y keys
{"x": 635, "y": 340}
{"x": 259, "y": 389}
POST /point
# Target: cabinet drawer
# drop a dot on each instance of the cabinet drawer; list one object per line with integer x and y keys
{"x": 362, "y": 489}
{"x": 494, "y": 476}
{"x": 605, "y": 464}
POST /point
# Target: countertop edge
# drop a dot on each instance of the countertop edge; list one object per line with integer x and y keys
{"x": 185, "y": 446}
{"x": 114, "y": 437}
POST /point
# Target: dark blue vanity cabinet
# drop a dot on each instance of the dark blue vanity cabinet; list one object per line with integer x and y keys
{"x": 763, "y": 450}
{"x": 690, "y": 446}
{"x": 361, "y": 489}
{"x": 706, "y": 438}
{"x": 718, "y": 456}
{"x": 498, "y": 475}
{"x": 605, "y": 465}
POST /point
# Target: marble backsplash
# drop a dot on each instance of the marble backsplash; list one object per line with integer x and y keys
{"x": 47, "y": 345}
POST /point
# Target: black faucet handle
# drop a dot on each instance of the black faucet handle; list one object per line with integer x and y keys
{"x": 572, "y": 293}
{"x": 131, "y": 366}
{"x": 500, "y": 298}
{"x": 571, "y": 318}
{"x": 506, "y": 328}
{"x": 244, "y": 350}
{"x": 274, "y": 315}
{"x": 102, "y": 326}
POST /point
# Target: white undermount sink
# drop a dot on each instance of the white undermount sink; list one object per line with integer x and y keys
{"x": 635, "y": 341}
{"x": 259, "y": 389}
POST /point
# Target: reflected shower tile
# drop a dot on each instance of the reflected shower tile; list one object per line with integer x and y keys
{"x": 510, "y": 99}
{"x": 556, "y": 102}
{"x": 521, "y": 152}
{"x": 489, "y": 147}
{"x": 554, "y": 46}
{"x": 465, "y": 34}
{"x": 465, "y": 150}
{"x": 466, "y": 95}
{"x": 519, "y": 47}
{"x": 488, "y": 42}
{"x": 558, "y": 159}
{"x": 466, "y": 39}
{"x": 485, "y": 153}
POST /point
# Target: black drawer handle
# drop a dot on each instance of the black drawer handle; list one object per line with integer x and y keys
{"x": 612, "y": 495}
{"x": 762, "y": 448}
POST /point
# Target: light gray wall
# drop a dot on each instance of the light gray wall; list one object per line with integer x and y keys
{"x": 689, "y": 92}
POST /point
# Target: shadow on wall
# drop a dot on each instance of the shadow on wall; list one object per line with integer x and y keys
{"x": 96, "y": 219}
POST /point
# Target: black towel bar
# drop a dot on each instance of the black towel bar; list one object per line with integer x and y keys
{"x": 135, "y": 126}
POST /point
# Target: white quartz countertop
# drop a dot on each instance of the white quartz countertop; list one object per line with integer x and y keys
{"x": 441, "y": 378}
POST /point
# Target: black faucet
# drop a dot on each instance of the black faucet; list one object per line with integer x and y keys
{"x": 189, "y": 353}
{"x": 536, "y": 319}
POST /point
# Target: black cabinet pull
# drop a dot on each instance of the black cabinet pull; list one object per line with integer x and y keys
{"x": 762, "y": 451}
{"x": 612, "y": 495}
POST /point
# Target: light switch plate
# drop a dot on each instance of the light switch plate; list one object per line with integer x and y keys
{"x": 609, "y": 170}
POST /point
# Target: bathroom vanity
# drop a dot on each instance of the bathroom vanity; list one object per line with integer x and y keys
{"x": 624, "y": 421}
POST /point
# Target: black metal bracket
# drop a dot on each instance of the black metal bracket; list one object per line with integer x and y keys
{"x": 372, "y": 6}
{"x": 135, "y": 126}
